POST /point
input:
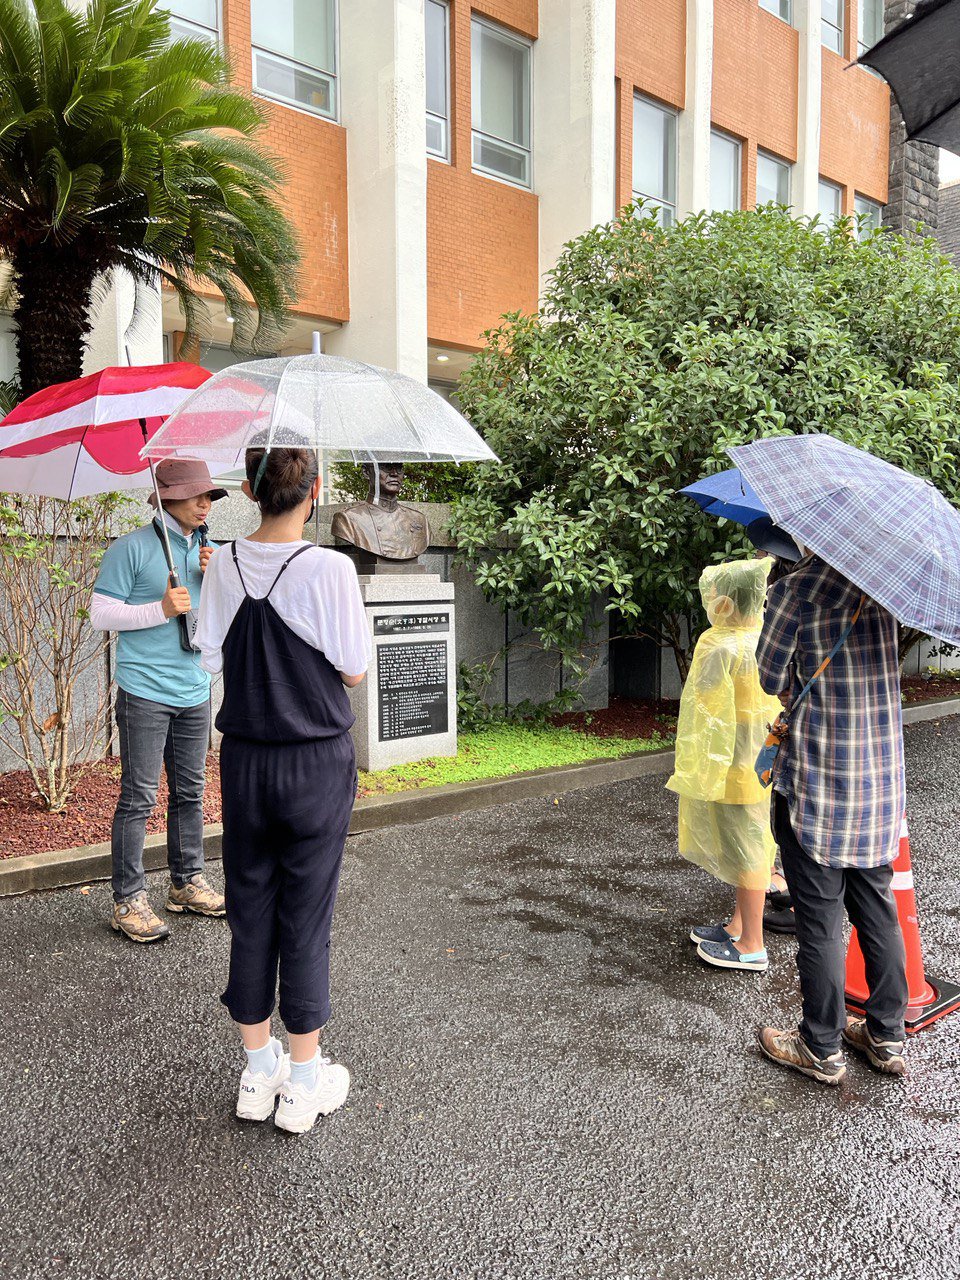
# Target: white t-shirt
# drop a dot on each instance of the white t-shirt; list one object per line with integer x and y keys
{"x": 318, "y": 597}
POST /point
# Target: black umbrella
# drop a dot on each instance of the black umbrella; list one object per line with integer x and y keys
{"x": 920, "y": 60}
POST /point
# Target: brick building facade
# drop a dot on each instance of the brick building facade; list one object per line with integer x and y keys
{"x": 439, "y": 153}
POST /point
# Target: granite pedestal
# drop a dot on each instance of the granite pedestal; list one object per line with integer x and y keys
{"x": 406, "y": 708}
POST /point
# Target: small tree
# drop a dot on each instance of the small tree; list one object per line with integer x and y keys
{"x": 656, "y": 350}
{"x": 51, "y": 552}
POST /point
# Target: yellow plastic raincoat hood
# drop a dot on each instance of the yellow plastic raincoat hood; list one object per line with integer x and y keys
{"x": 724, "y": 713}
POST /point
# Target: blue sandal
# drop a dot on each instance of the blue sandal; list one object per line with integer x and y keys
{"x": 712, "y": 933}
{"x": 724, "y": 955}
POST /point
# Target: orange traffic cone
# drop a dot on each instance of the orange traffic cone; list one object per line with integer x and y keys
{"x": 927, "y": 1000}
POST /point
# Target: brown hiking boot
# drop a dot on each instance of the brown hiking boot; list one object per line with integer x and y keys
{"x": 196, "y": 895}
{"x": 790, "y": 1050}
{"x": 136, "y": 918}
{"x": 885, "y": 1056}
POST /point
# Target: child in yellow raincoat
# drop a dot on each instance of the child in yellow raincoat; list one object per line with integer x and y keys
{"x": 724, "y": 714}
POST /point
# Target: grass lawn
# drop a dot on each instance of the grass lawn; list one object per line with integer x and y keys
{"x": 503, "y": 750}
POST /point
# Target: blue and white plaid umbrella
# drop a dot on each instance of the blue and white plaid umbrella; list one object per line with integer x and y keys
{"x": 892, "y": 534}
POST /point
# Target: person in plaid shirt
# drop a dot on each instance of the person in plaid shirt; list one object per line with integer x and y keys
{"x": 838, "y": 806}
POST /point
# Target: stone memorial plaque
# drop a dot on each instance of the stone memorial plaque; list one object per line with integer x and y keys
{"x": 412, "y": 689}
{"x": 408, "y": 624}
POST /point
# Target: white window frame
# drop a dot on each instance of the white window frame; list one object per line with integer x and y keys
{"x": 738, "y": 143}
{"x": 443, "y": 155}
{"x": 198, "y": 30}
{"x": 776, "y": 7}
{"x": 784, "y": 164}
{"x": 862, "y": 47}
{"x": 479, "y": 20}
{"x": 825, "y": 227}
{"x": 826, "y": 24}
{"x": 333, "y": 76}
{"x": 874, "y": 207}
{"x": 656, "y": 201}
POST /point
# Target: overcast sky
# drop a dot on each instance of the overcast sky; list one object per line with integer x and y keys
{"x": 949, "y": 166}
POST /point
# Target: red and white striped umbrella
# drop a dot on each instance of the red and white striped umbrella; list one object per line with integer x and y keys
{"x": 84, "y": 437}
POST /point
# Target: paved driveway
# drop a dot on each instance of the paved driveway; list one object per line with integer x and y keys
{"x": 548, "y": 1084}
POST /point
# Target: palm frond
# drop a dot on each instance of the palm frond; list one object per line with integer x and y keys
{"x": 124, "y": 148}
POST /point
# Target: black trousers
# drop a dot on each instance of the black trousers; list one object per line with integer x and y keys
{"x": 819, "y": 896}
{"x": 286, "y": 811}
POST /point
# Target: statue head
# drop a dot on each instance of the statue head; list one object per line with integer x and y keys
{"x": 391, "y": 479}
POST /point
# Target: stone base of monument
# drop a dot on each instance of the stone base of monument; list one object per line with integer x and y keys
{"x": 406, "y": 708}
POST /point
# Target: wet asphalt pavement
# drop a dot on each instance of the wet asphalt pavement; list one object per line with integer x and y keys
{"x": 547, "y": 1084}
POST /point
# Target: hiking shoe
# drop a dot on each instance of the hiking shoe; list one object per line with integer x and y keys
{"x": 712, "y": 933}
{"x": 790, "y": 1050}
{"x": 196, "y": 895}
{"x": 135, "y": 917}
{"x": 300, "y": 1106}
{"x": 885, "y": 1056}
{"x": 724, "y": 955}
{"x": 258, "y": 1092}
{"x": 781, "y": 920}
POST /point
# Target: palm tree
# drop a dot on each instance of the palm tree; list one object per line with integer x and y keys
{"x": 122, "y": 151}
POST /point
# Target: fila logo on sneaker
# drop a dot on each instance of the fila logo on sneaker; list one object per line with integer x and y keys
{"x": 248, "y": 1088}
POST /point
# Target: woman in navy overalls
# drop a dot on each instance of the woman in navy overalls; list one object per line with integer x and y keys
{"x": 284, "y": 621}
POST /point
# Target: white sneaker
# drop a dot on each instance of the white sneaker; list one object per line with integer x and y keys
{"x": 300, "y": 1106}
{"x": 258, "y": 1092}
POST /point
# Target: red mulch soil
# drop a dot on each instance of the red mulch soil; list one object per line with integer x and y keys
{"x": 931, "y": 688}
{"x": 625, "y": 718}
{"x": 26, "y": 827}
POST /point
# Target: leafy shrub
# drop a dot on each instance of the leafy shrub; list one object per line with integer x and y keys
{"x": 656, "y": 350}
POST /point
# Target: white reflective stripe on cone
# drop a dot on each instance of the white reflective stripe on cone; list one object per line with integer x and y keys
{"x": 904, "y": 833}
{"x": 902, "y": 880}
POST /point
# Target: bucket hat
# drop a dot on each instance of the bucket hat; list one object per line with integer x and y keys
{"x": 179, "y": 478}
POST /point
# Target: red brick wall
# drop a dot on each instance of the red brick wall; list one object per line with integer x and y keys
{"x": 651, "y": 41}
{"x": 482, "y": 235}
{"x": 758, "y": 106}
{"x": 313, "y": 153}
{"x": 855, "y": 132}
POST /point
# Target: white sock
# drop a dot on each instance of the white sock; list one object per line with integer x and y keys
{"x": 304, "y": 1073}
{"x": 262, "y": 1061}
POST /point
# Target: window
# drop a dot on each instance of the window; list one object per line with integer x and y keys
{"x": 655, "y": 157}
{"x": 438, "y": 79}
{"x": 773, "y": 180}
{"x": 294, "y": 53}
{"x": 724, "y": 172}
{"x": 870, "y": 214}
{"x": 830, "y": 198}
{"x": 194, "y": 20}
{"x": 831, "y": 24}
{"x": 780, "y": 8}
{"x": 869, "y": 24}
{"x": 500, "y": 65}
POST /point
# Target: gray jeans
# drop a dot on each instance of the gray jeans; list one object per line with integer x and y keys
{"x": 819, "y": 895}
{"x": 152, "y": 734}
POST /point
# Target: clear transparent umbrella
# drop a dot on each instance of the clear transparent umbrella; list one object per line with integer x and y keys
{"x": 348, "y": 411}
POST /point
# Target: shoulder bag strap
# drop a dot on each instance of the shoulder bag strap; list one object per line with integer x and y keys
{"x": 831, "y": 655}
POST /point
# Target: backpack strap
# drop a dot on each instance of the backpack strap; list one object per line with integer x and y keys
{"x": 233, "y": 548}
{"x": 290, "y": 559}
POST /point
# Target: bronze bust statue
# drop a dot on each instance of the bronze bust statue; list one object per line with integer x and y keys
{"x": 388, "y": 531}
